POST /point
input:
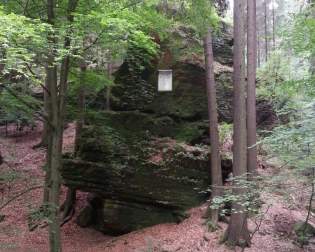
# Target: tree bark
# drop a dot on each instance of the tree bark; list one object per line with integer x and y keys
{"x": 237, "y": 232}
{"x": 258, "y": 51}
{"x": 52, "y": 180}
{"x": 44, "y": 139}
{"x": 274, "y": 27}
{"x": 57, "y": 113}
{"x": 51, "y": 80}
{"x": 312, "y": 58}
{"x": 266, "y": 31}
{"x": 216, "y": 173}
{"x": 251, "y": 87}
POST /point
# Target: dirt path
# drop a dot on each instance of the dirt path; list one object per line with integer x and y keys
{"x": 189, "y": 236}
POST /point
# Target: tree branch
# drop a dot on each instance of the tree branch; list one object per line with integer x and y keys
{"x": 101, "y": 33}
{"x": 36, "y": 77}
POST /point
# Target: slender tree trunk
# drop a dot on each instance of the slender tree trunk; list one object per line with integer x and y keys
{"x": 312, "y": 58}
{"x": 251, "y": 87}
{"x": 258, "y": 51}
{"x": 52, "y": 180}
{"x": 216, "y": 173}
{"x": 44, "y": 139}
{"x": 51, "y": 79}
{"x": 266, "y": 30}
{"x": 274, "y": 27}
{"x": 54, "y": 158}
{"x": 237, "y": 232}
{"x": 57, "y": 114}
{"x": 56, "y": 153}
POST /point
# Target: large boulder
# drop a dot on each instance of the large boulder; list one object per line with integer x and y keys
{"x": 137, "y": 178}
{"x": 183, "y": 53}
{"x": 188, "y": 100}
{"x": 145, "y": 162}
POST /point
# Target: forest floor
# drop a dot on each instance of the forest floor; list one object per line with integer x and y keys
{"x": 23, "y": 169}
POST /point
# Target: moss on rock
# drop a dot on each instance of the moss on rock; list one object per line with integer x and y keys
{"x": 140, "y": 178}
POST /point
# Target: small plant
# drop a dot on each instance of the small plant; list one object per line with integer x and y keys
{"x": 8, "y": 176}
{"x": 39, "y": 216}
{"x": 242, "y": 192}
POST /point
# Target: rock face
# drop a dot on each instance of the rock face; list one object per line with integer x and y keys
{"x": 137, "y": 178}
{"x": 183, "y": 54}
{"x": 144, "y": 163}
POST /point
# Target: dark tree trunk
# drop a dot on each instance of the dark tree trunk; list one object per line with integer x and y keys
{"x": 237, "y": 232}
{"x": 251, "y": 87}
{"x": 51, "y": 80}
{"x": 266, "y": 30}
{"x": 274, "y": 27}
{"x": 258, "y": 51}
{"x": 44, "y": 140}
{"x": 216, "y": 173}
{"x": 312, "y": 58}
{"x": 57, "y": 113}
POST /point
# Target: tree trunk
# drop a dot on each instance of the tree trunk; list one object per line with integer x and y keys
{"x": 251, "y": 87}
{"x": 312, "y": 58}
{"x": 258, "y": 51}
{"x": 274, "y": 27}
{"x": 57, "y": 113}
{"x": 51, "y": 79}
{"x": 44, "y": 140}
{"x": 266, "y": 31}
{"x": 216, "y": 173}
{"x": 54, "y": 158}
{"x": 237, "y": 232}
{"x": 56, "y": 152}
{"x": 52, "y": 180}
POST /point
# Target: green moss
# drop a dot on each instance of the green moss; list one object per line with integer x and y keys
{"x": 188, "y": 98}
{"x": 187, "y": 132}
{"x": 101, "y": 144}
{"x": 304, "y": 232}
